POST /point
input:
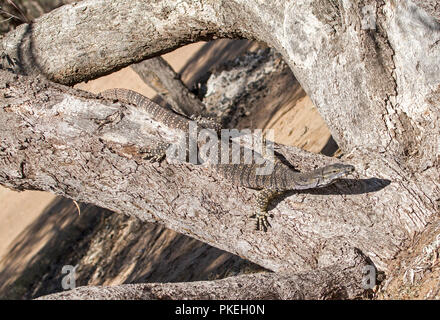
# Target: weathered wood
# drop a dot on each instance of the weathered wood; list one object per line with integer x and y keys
{"x": 160, "y": 76}
{"x": 323, "y": 43}
{"x": 69, "y": 142}
{"x": 347, "y": 280}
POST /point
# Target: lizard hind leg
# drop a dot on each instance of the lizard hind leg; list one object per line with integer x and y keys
{"x": 264, "y": 198}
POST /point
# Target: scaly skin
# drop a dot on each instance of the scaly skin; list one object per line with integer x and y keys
{"x": 282, "y": 178}
{"x": 285, "y": 179}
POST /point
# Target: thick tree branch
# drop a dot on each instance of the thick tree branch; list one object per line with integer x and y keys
{"x": 359, "y": 69}
{"x": 98, "y": 37}
{"x": 71, "y": 143}
{"x": 352, "y": 63}
{"x": 343, "y": 281}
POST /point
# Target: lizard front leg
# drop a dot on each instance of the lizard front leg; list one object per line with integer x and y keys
{"x": 155, "y": 154}
{"x": 264, "y": 198}
{"x": 207, "y": 123}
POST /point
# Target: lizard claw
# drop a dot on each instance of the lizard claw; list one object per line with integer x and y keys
{"x": 155, "y": 158}
{"x": 261, "y": 214}
{"x": 157, "y": 154}
{"x": 262, "y": 223}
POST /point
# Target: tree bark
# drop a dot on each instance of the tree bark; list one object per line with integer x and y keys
{"x": 341, "y": 281}
{"x": 376, "y": 86}
{"x": 160, "y": 76}
{"x": 14, "y": 13}
{"x": 323, "y": 43}
{"x": 431, "y": 6}
{"x": 71, "y": 143}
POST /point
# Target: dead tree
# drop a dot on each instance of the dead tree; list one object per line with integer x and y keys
{"x": 370, "y": 67}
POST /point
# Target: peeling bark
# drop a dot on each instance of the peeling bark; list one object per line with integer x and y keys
{"x": 367, "y": 69}
{"x": 430, "y": 6}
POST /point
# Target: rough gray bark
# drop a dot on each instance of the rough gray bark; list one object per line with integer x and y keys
{"x": 431, "y": 6}
{"x": 71, "y": 143}
{"x": 13, "y": 13}
{"x": 160, "y": 76}
{"x": 378, "y": 90}
{"x": 235, "y": 90}
{"x": 166, "y": 26}
{"x": 320, "y": 41}
{"x": 341, "y": 281}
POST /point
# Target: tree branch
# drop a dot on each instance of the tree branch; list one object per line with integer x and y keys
{"x": 74, "y": 144}
{"x": 360, "y": 77}
{"x": 332, "y": 50}
{"x": 430, "y": 6}
{"x": 343, "y": 281}
{"x": 159, "y": 75}
{"x": 98, "y": 37}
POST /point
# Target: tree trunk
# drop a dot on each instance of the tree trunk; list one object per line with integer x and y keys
{"x": 371, "y": 68}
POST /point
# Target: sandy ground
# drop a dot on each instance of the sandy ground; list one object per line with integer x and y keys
{"x": 18, "y": 211}
{"x": 33, "y": 222}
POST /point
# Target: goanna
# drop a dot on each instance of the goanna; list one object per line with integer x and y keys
{"x": 280, "y": 179}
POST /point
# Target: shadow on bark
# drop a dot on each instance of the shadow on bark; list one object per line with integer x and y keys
{"x": 107, "y": 247}
{"x": 330, "y": 147}
{"x": 340, "y": 187}
{"x": 217, "y": 52}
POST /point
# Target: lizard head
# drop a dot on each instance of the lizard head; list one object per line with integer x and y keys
{"x": 334, "y": 171}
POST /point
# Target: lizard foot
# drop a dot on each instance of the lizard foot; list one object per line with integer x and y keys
{"x": 156, "y": 154}
{"x": 262, "y": 223}
{"x": 263, "y": 200}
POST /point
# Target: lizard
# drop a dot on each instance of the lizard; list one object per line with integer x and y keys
{"x": 280, "y": 179}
